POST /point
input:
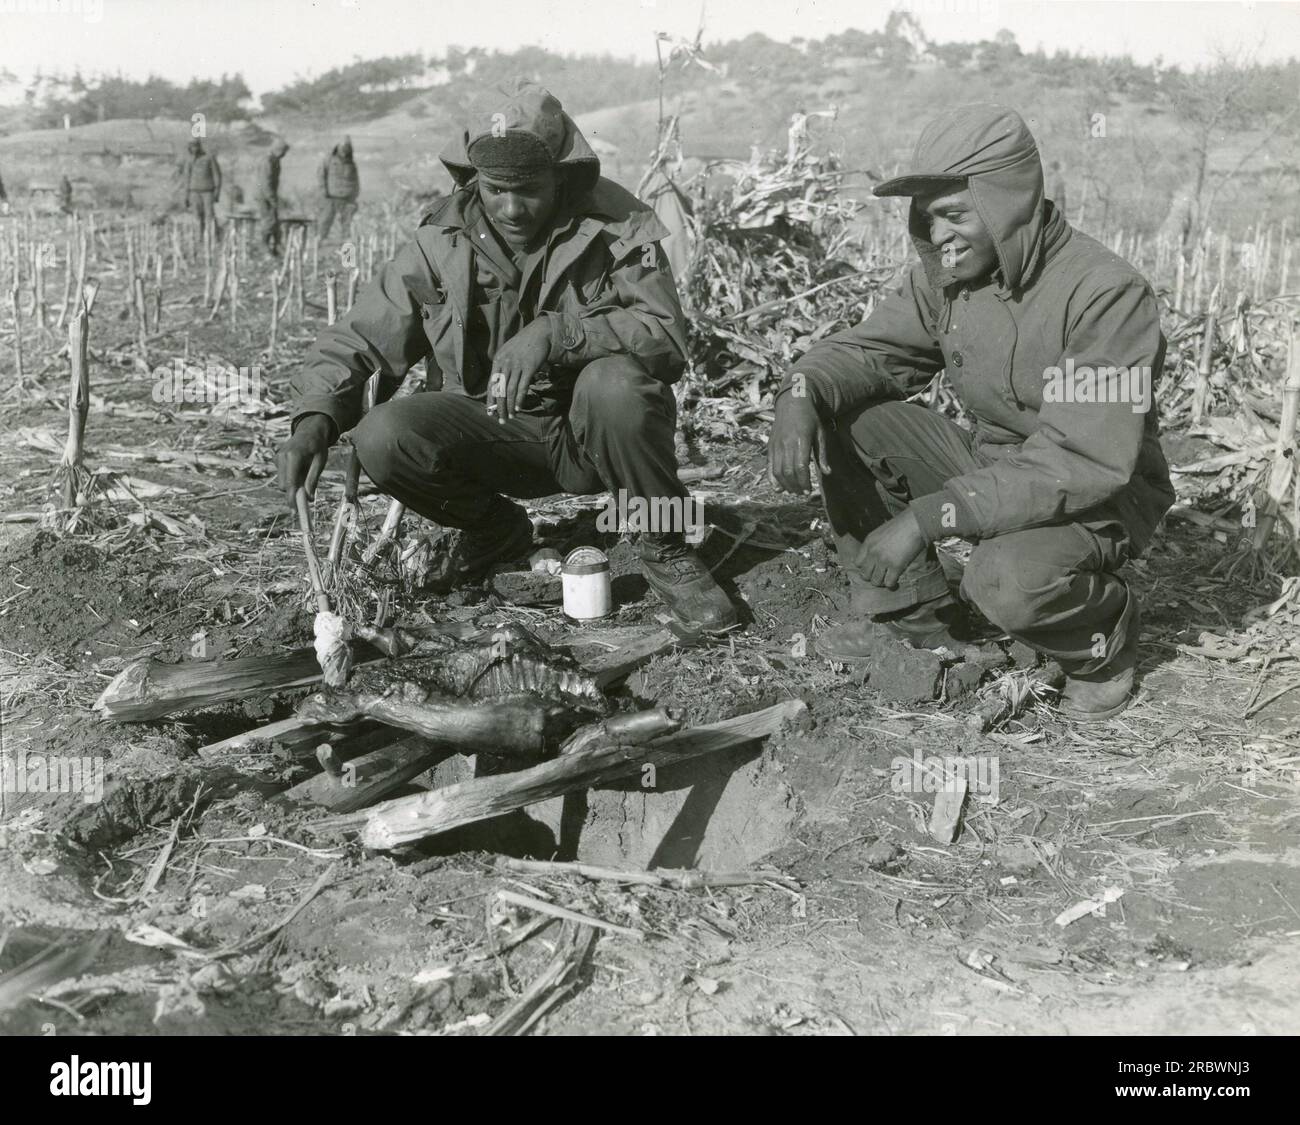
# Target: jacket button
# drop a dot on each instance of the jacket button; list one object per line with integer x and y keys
{"x": 956, "y": 358}
{"x": 965, "y": 294}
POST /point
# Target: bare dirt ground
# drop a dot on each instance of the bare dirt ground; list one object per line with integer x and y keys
{"x": 170, "y": 896}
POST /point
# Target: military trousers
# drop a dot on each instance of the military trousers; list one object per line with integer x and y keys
{"x": 1057, "y": 588}
{"x": 444, "y": 456}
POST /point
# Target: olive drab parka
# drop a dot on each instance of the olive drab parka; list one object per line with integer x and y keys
{"x": 605, "y": 287}
{"x": 338, "y": 176}
{"x": 1018, "y": 348}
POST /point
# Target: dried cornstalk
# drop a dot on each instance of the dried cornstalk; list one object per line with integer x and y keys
{"x": 1201, "y": 391}
{"x": 207, "y": 264}
{"x": 15, "y": 309}
{"x": 67, "y": 284}
{"x": 275, "y": 314}
{"x": 78, "y": 404}
{"x": 234, "y": 285}
{"x": 331, "y": 297}
{"x": 141, "y": 318}
{"x": 1282, "y": 471}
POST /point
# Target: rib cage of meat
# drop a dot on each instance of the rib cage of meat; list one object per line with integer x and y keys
{"x": 508, "y": 691}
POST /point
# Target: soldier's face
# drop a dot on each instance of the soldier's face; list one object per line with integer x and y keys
{"x": 520, "y": 211}
{"x": 965, "y": 244}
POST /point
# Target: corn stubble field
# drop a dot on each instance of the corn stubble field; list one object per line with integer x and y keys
{"x": 1138, "y": 877}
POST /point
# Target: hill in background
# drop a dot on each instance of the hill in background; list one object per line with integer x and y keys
{"x": 1131, "y": 140}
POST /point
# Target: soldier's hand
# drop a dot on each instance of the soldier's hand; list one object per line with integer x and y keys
{"x": 301, "y": 459}
{"x": 797, "y": 438}
{"x": 514, "y": 367}
{"x": 888, "y": 550}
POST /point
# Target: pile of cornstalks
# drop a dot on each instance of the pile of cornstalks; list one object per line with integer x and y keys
{"x": 776, "y": 265}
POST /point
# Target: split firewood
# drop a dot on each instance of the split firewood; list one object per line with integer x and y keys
{"x": 407, "y": 819}
{"x": 149, "y": 689}
{"x": 366, "y": 778}
{"x": 299, "y": 738}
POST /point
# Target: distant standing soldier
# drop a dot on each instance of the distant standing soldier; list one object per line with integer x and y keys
{"x": 340, "y": 185}
{"x": 201, "y": 178}
{"x": 3, "y": 197}
{"x": 65, "y": 195}
{"x": 268, "y": 197}
{"x": 1057, "y": 189}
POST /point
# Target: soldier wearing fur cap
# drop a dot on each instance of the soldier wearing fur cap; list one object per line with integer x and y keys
{"x": 540, "y": 297}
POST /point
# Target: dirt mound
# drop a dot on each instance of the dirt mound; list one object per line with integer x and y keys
{"x": 69, "y": 591}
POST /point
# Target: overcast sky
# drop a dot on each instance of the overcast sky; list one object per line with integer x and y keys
{"x": 273, "y": 41}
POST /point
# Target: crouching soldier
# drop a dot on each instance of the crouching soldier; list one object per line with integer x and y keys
{"x": 541, "y": 298}
{"x": 1052, "y": 345}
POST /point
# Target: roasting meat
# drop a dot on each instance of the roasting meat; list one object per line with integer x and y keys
{"x": 504, "y": 693}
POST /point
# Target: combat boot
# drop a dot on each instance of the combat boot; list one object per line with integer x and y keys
{"x": 684, "y": 584}
{"x": 938, "y": 623}
{"x": 1092, "y": 697}
{"x": 505, "y": 535}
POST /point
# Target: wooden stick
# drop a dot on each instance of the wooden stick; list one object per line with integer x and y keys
{"x": 354, "y": 275}
{"x": 659, "y": 877}
{"x": 544, "y": 907}
{"x": 78, "y": 404}
{"x": 309, "y": 549}
{"x": 331, "y": 297}
{"x": 407, "y": 819}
